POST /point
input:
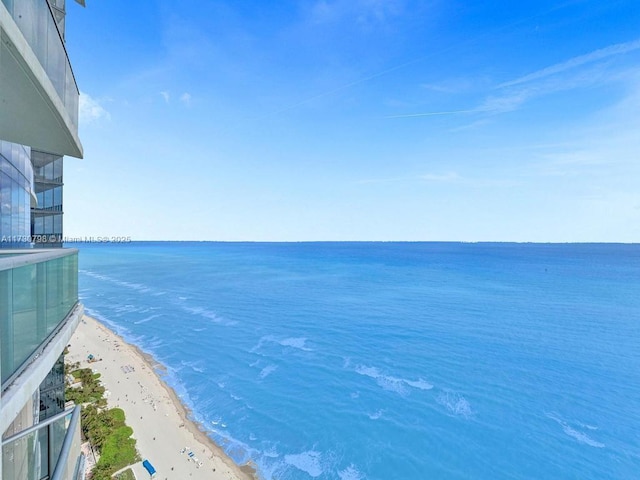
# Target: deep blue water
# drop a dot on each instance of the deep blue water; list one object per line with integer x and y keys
{"x": 392, "y": 360}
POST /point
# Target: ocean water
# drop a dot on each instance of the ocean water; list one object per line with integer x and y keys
{"x": 385, "y": 361}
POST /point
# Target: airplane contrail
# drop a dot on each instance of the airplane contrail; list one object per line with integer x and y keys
{"x": 351, "y": 84}
{"x": 430, "y": 114}
{"x": 413, "y": 61}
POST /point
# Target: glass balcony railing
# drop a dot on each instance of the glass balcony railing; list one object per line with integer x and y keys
{"x": 49, "y": 450}
{"x": 38, "y": 289}
{"x": 35, "y": 20}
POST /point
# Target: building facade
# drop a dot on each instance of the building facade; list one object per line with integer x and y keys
{"x": 46, "y": 215}
{"x": 39, "y": 308}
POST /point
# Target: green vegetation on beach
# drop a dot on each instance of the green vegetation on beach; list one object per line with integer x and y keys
{"x": 126, "y": 475}
{"x": 104, "y": 428}
{"x": 91, "y": 390}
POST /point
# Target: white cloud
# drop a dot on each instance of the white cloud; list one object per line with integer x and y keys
{"x": 165, "y": 95}
{"x": 574, "y": 62}
{"x": 91, "y": 110}
{"x": 441, "y": 177}
{"x": 431, "y": 114}
{"x": 446, "y": 178}
{"x": 469, "y": 182}
{"x": 578, "y": 72}
{"x": 186, "y": 98}
{"x": 365, "y": 12}
{"x": 368, "y": 181}
{"x": 562, "y": 76}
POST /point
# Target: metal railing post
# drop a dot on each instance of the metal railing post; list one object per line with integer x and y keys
{"x": 63, "y": 458}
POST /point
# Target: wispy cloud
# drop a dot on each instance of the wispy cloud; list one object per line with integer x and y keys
{"x": 445, "y": 178}
{"x": 91, "y": 109}
{"x": 441, "y": 177}
{"x": 575, "y": 62}
{"x": 364, "y": 12}
{"x": 513, "y": 97}
{"x": 608, "y": 147}
{"x": 454, "y": 178}
{"x": 431, "y": 114}
{"x": 369, "y": 181}
{"x": 185, "y": 98}
{"x": 578, "y": 72}
{"x": 457, "y": 85}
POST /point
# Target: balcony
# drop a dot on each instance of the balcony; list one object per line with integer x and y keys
{"x": 38, "y": 90}
{"x": 49, "y": 450}
{"x": 38, "y": 291}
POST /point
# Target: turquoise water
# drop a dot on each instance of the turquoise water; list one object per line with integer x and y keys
{"x": 392, "y": 360}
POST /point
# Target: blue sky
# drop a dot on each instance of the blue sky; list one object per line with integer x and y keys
{"x": 356, "y": 120}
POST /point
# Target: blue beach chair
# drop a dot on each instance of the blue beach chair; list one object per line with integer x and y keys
{"x": 147, "y": 465}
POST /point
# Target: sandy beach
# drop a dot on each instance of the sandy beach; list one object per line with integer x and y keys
{"x": 176, "y": 446}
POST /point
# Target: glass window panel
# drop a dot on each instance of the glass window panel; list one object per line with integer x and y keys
{"x": 34, "y": 299}
{"x": 48, "y": 199}
{"x": 57, "y": 224}
{"x": 57, "y": 168}
{"x": 48, "y": 224}
{"x": 56, "y": 59}
{"x": 57, "y": 196}
{"x": 48, "y": 171}
{"x": 38, "y": 225}
{"x": 24, "y": 318}
{"x": 27, "y": 457}
{"x": 6, "y": 329}
{"x": 54, "y": 300}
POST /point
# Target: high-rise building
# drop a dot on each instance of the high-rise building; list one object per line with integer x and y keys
{"x": 39, "y": 308}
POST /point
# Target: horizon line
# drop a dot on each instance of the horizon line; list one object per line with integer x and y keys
{"x": 518, "y": 242}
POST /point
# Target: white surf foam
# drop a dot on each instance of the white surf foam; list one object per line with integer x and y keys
{"x": 203, "y": 312}
{"x": 351, "y": 473}
{"x": 271, "y": 452}
{"x": 375, "y": 415}
{"x": 587, "y": 426}
{"x": 258, "y": 345}
{"x": 148, "y": 319}
{"x": 196, "y": 366}
{"x": 208, "y": 314}
{"x": 236, "y": 449}
{"x": 268, "y": 370}
{"x": 139, "y": 287}
{"x": 419, "y": 384}
{"x": 299, "y": 343}
{"x": 581, "y": 437}
{"x": 391, "y": 383}
{"x": 292, "y": 342}
{"x": 309, "y": 462}
{"x": 455, "y": 404}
